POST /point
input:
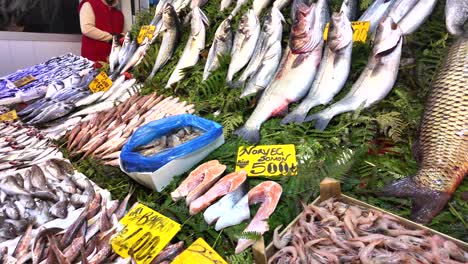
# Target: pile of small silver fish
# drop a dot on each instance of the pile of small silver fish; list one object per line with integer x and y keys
{"x": 169, "y": 141}
{"x": 337, "y": 232}
{"x": 103, "y": 135}
{"x": 40, "y": 194}
{"x": 205, "y": 184}
{"x": 22, "y": 146}
{"x": 85, "y": 240}
{"x": 51, "y": 75}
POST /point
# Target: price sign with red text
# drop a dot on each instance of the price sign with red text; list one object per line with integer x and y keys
{"x": 101, "y": 83}
{"x": 267, "y": 160}
{"x": 145, "y": 232}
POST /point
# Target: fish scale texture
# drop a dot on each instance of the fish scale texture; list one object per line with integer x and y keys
{"x": 444, "y": 128}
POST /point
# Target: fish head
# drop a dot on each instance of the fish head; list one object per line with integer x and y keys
{"x": 248, "y": 23}
{"x": 115, "y": 42}
{"x": 340, "y": 32}
{"x": 199, "y": 20}
{"x": 170, "y": 18}
{"x": 273, "y": 22}
{"x": 224, "y": 30}
{"x": 302, "y": 28}
{"x": 127, "y": 39}
{"x": 388, "y": 36}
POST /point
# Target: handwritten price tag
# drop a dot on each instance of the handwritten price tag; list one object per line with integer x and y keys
{"x": 146, "y": 32}
{"x": 101, "y": 83}
{"x": 199, "y": 253}
{"x": 146, "y": 232}
{"x": 23, "y": 81}
{"x": 360, "y": 29}
{"x": 268, "y": 160}
{"x": 8, "y": 116}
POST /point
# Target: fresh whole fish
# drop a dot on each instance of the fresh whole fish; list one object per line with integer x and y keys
{"x": 456, "y": 14}
{"x": 334, "y": 68}
{"x": 195, "y": 44}
{"x": 442, "y": 146}
{"x": 137, "y": 56}
{"x": 127, "y": 56}
{"x": 199, "y": 181}
{"x": 244, "y": 43}
{"x": 259, "y": 5}
{"x": 170, "y": 38}
{"x": 376, "y": 12}
{"x": 382, "y": 65}
{"x": 400, "y": 8}
{"x": 296, "y": 70}
{"x": 124, "y": 49}
{"x": 267, "y": 55}
{"x": 158, "y": 12}
{"x": 418, "y": 14}
{"x": 114, "y": 55}
{"x": 222, "y": 44}
{"x": 225, "y": 185}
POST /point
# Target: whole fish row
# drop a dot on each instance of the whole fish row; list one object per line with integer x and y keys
{"x": 22, "y": 146}
{"x": 103, "y": 134}
{"x": 83, "y": 239}
{"x": 337, "y": 232}
{"x": 53, "y": 74}
{"x": 205, "y": 184}
{"x": 41, "y": 194}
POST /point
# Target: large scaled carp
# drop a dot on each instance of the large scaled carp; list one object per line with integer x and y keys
{"x": 442, "y": 150}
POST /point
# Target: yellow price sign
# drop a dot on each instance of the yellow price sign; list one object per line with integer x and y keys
{"x": 146, "y": 31}
{"x": 145, "y": 232}
{"x": 23, "y": 81}
{"x": 8, "y": 116}
{"x": 199, "y": 253}
{"x": 267, "y": 160}
{"x": 101, "y": 83}
{"x": 360, "y": 29}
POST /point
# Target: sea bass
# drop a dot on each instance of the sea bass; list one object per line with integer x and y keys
{"x": 268, "y": 194}
{"x": 374, "y": 14}
{"x": 296, "y": 71}
{"x": 222, "y": 44}
{"x": 170, "y": 38}
{"x": 195, "y": 44}
{"x": 400, "y": 8}
{"x": 114, "y": 55}
{"x": 456, "y": 14}
{"x": 204, "y": 175}
{"x": 377, "y": 79}
{"x": 244, "y": 43}
{"x": 227, "y": 184}
{"x": 124, "y": 49}
{"x": 418, "y": 14}
{"x": 335, "y": 65}
{"x": 442, "y": 146}
{"x": 267, "y": 55}
{"x": 137, "y": 56}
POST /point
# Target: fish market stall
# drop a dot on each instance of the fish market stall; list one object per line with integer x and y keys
{"x": 218, "y": 120}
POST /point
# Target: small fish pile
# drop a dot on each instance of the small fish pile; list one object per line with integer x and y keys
{"x": 39, "y": 195}
{"x": 337, "y": 232}
{"x": 169, "y": 141}
{"x": 102, "y": 135}
{"x": 22, "y": 146}
{"x": 85, "y": 240}
{"x": 50, "y": 75}
{"x": 204, "y": 185}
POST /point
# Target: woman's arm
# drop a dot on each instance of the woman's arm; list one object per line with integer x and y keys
{"x": 88, "y": 24}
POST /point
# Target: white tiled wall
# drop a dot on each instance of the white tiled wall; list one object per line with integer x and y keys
{"x": 18, "y": 54}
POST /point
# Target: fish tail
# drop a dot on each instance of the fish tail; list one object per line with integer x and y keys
{"x": 427, "y": 203}
{"x": 321, "y": 120}
{"x": 295, "y": 116}
{"x": 249, "y": 134}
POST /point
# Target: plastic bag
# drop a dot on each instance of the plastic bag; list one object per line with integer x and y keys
{"x": 133, "y": 161}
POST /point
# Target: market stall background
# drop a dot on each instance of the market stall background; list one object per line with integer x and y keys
{"x": 365, "y": 149}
